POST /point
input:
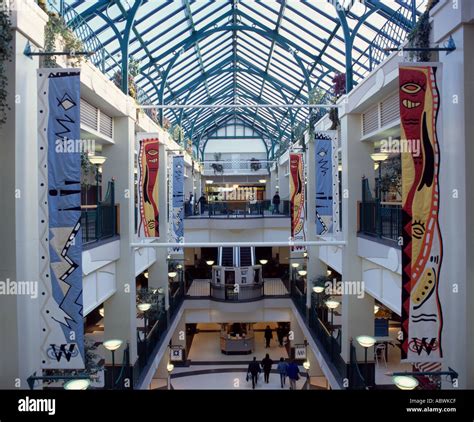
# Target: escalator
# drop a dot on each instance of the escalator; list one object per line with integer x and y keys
{"x": 245, "y": 257}
{"x": 227, "y": 257}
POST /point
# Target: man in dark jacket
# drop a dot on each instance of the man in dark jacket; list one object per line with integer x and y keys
{"x": 293, "y": 374}
{"x": 253, "y": 370}
{"x": 268, "y": 336}
{"x": 267, "y": 367}
{"x": 276, "y": 203}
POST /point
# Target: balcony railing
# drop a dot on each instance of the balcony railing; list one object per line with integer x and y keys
{"x": 239, "y": 209}
{"x": 205, "y": 289}
{"x": 236, "y": 167}
{"x": 380, "y": 220}
{"x": 99, "y": 222}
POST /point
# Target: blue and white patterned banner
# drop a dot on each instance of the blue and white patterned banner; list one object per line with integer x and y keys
{"x": 62, "y": 326}
{"x": 327, "y": 186}
{"x": 176, "y": 225}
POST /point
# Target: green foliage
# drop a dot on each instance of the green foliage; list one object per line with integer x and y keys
{"x": 419, "y": 37}
{"x": 5, "y": 56}
{"x": 133, "y": 71}
{"x": 55, "y": 29}
{"x": 177, "y": 133}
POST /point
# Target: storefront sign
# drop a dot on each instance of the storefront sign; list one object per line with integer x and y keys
{"x": 176, "y": 353}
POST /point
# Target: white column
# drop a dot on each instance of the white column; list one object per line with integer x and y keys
{"x": 20, "y": 332}
{"x": 357, "y": 314}
{"x": 120, "y": 310}
{"x": 456, "y": 210}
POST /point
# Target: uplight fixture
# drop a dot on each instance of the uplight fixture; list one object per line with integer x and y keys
{"x": 332, "y": 304}
{"x": 405, "y": 382}
{"x": 143, "y": 307}
{"x": 77, "y": 384}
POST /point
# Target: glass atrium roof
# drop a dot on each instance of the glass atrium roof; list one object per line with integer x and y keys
{"x": 239, "y": 52}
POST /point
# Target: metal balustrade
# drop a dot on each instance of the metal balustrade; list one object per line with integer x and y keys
{"x": 380, "y": 220}
{"x": 238, "y": 209}
{"x": 229, "y": 167}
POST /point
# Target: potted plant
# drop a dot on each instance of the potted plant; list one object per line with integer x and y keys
{"x": 339, "y": 89}
{"x": 58, "y": 37}
{"x": 419, "y": 37}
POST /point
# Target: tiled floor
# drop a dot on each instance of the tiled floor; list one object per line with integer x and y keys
{"x": 206, "y": 347}
{"x": 226, "y": 376}
{"x": 234, "y": 377}
{"x": 393, "y": 363}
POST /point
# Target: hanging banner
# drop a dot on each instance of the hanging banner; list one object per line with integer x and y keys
{"x": 422, "y": 250}
{"x": 297, "y": 199}
{"x": 147, "y": 186}
{"x": 62, "y": 325}
{"x": 176, "y": 203}
{"x": 327, "y": 185}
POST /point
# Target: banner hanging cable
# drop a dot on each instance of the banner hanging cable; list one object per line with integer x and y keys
{"x": 181, "y": 106}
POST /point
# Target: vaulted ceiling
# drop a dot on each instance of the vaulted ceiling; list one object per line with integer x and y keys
{"x": 239, "y": 52}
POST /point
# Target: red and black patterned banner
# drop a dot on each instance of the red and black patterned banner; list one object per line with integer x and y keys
{"x": 422, "y": 253}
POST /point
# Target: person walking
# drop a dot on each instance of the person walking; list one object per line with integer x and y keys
{"x": 282, "y": 369}
{"x": 267, "y": 367}
{"x": 276, "y": 203}
{"x": 268, "y": 336}
{"x": 280, "y": 335}
{"x": 253, "y": 371}
{"x": 293, "y": 374}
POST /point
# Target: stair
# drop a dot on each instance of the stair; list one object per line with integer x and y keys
{"x": 227, "y": 257}
{"x": 245, "y": 257}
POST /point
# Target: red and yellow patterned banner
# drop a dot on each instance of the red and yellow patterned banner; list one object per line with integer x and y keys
{"x": 297, "y": 198}
{"x": 422, "y": 251}
{"x": 148, "y": 167}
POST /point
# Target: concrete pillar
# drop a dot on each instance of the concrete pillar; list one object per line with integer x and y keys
{"x": 455, "y": 135}
{"x": 120, "y": 310}
{"x": 19, "y": 261}
{"x": 357, "y": 313}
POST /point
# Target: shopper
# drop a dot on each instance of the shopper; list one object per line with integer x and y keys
{"x": 267, "y": 367}
{"x": 202, "y": 203}
{"x": 293, "y": 374}
{"x": 276, "y": 203}
{"x": 268, "y": 336}
{"x": 280, "y": 334}
{"x": 282, "y": 369}
{"x": 253, "y": 371}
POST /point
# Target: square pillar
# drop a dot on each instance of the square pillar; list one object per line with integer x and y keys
{"x": 120, "y": 319}
{"x": 357, "y": 313}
